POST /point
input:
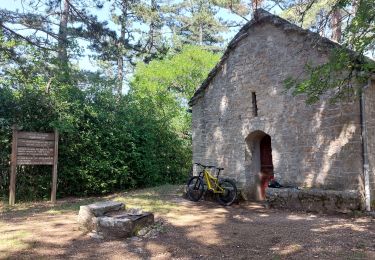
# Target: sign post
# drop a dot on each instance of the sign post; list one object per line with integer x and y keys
{"x": 54, "y": 170}
{"x": 32, "y": 148}
{"x": 13, "y": 168}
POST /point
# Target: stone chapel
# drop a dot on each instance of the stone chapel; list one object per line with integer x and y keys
{"x": 245, "y": 121}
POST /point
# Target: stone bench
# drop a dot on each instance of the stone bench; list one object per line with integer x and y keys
{"x": 110, "y": 219}
{"x": 313, "y": 200}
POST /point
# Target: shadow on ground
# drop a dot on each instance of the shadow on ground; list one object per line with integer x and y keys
{"x": 202, "y": 230}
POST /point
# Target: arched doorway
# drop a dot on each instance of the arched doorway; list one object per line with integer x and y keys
{"x": 258, "y": 163}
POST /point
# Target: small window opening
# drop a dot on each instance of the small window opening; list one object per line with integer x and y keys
{"x": 255, "y": 106}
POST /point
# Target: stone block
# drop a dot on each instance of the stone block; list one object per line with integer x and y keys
{"x": 100, "y": 208}
{"x": 88, "y": 213}
{"x": 123, "y": 226}
{"x": 85, "y": 218}
{"x": 110, "y": 220}
{"x": 314, "y": 200}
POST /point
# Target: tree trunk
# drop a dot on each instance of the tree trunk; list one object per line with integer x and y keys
{"x": 152, "y": 27}
{"x": 256, "y": 4}
{"x": 354, "y": 7}
{"x": 336, "y": 25}
{"x": 63, "y": 34}
{"x": 200, "y": 34}
{"x": 120, "y": 47}
{"x": 120, "y": 62}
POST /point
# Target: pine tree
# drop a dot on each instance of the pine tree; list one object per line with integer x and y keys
{"x": 63, "y": 33}
{"x": 139, "y": 37}
{"x": 240, "y": 8}
{"x": 351, "y": 23}
{"x": 322, "y": 16}
{"x": 55, "y": 28}
{"x": 336, "y": 24}
{"x": 124, "y": 21}
{"x": 197, "y": 23}
{"x": 153, "y": 18}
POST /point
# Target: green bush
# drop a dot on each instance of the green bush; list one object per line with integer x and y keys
{"x": 105, "y": 144}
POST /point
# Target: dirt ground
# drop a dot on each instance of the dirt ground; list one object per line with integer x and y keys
{"x": 203, "y": 230}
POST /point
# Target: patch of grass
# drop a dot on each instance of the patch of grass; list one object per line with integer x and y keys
{"x": 11, "y": 242}
{"x": 150, "y": 199}
{"x": 357, "y": 256}
{"x": 148, "y": 204}
{"x": 353, "y": 255}
{"x": 27, "y": 208}
{"x": 360, "y": 245}
{"x": 159, "y": 191}
{"x": 4, "y": 207}
{"x": 71, "y": 206}
{"x": 358, "y": 214}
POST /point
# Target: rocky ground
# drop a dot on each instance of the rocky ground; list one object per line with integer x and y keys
{"x": 186, "y": 230}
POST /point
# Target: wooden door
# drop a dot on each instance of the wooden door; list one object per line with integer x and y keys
{"x": 266, "y": 155}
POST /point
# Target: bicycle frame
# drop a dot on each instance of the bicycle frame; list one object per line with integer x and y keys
{"x": 224, "y": 190}
{"x": 212, "y": 182}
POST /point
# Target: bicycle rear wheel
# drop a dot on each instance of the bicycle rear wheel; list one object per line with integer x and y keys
{"x": 195, "y": 188}
{"x": 230, "y": 192}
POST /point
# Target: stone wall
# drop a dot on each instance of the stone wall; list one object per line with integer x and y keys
{"x": 369, "y": 109}
{"x": 325, "y": 201}
{"x": 315, "y": 146}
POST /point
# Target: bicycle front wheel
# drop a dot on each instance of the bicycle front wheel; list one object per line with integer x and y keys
{"x": 195, "y": 188}
{"x": 230, "y": 192}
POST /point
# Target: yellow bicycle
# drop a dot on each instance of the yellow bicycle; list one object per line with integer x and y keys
{"x": 224, "y": 189}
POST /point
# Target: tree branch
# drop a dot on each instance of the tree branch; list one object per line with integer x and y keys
{"x": 25, "y": 38}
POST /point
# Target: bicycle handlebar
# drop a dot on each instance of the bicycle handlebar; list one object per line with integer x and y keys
{"x": 209, "y": 166}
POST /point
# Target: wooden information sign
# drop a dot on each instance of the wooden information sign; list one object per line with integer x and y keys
{"x": 31, "y": 148}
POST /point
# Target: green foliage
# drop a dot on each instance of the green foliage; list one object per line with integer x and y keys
{"x": 107, "y": 143}
{"x": 167, "y": 85}
{"x": 348, "y": 68}
{"x": 311, "y": 14}
{"x": 161, "y": 89}
{"x": 196, "y": 22}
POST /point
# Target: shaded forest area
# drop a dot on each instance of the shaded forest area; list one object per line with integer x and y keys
{"x": 114, "y": 78}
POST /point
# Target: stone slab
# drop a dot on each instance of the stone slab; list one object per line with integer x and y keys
{"x": 110, "y": 220}
{"x": 88, "y": 213}
{"x": 314, "y": 200}
{"x": 122, "y": 226}
{"x": 100, "y": 208}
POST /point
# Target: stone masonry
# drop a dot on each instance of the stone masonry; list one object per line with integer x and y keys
{"x": 313, "y": 146}
{"x": 369, "y": 109}
{"x": 312, "y": 200}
